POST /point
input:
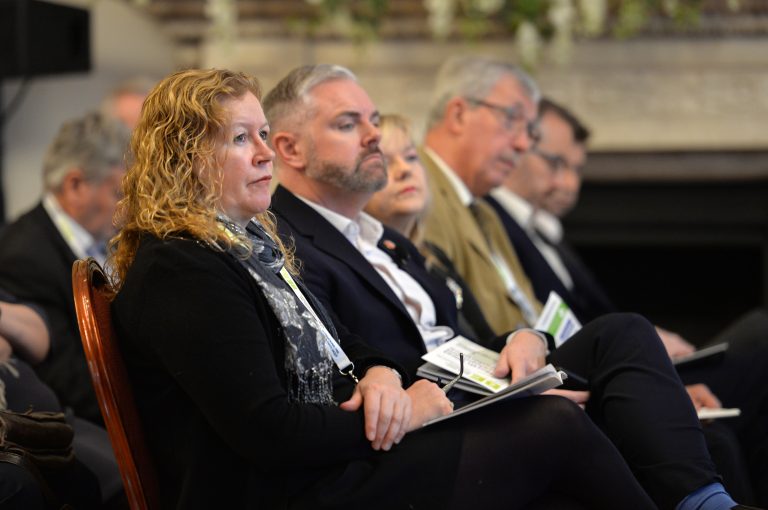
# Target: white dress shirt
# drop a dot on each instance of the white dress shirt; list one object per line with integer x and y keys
{"x": 524, "y": 214}
{"x": 79, "y": 240}
{"x": 465, "y": 196}
{"x": 548, "y": 225}
{"x": 364, "y": 232}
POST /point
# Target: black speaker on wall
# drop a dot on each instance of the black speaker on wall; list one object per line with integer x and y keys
{"x": 39, "y": 38}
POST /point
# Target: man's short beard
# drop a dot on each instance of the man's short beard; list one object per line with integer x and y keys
{"x": 358, "y": 181}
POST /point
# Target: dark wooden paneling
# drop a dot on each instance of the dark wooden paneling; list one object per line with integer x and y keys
{"x": 690, "y": 254}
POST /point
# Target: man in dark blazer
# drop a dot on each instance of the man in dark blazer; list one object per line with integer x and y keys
{"x": 517, "y": 205}
{"x": 333, "y": 268}
{"x": 81, "y": 173}
{"x": 324, "y": 132}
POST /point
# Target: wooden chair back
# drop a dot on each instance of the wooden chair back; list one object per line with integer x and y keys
{"x": 93, "y": 293}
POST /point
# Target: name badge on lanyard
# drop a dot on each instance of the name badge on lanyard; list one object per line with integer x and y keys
{"x": 340, "y": 358}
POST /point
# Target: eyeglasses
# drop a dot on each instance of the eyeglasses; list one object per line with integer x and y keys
{"x": 453, "y": 381}
{"x": 555, "y": 162}
{"x": 514, "y": 118}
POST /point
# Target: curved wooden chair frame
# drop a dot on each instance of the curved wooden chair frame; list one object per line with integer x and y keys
{"x": 93, "y": 294}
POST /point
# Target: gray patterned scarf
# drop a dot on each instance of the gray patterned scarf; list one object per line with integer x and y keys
{"x": 307, "y": 362}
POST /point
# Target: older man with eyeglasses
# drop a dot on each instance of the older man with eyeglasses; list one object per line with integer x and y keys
{"x": 480, "y": 125}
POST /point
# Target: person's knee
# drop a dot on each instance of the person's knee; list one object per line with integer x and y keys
{"x": 757, "y": 316}
{"x": 749, "y": 333}
{"x": 559, "y": 411}
{"x": 630, "y": 332}
{"x": 623, "y": 321}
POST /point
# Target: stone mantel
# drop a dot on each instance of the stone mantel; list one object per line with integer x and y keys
{"x": 671, "y": 94}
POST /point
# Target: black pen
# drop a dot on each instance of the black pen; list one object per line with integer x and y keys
{"x": 580, "y": 380}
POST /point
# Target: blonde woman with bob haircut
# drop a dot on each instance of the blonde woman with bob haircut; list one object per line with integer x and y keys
{"x": 402, "y": 204}
{"x": 404, "y": 200}
{"x": 249, "y": 396}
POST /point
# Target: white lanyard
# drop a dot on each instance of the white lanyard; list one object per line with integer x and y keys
{"x": 343, "y": 363}
{"x": 65, "y": 228}
{"x": 513, "y": 289}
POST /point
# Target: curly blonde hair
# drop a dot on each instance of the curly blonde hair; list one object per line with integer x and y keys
{"x": 172, "y": 148}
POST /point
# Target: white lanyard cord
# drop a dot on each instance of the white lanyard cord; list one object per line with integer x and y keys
{"x": 340, "y": 358}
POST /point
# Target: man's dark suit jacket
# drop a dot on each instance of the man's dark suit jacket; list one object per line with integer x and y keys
{"x": 586, "y": 299}
{"x": 36, "y": 266}
{"x": 351, "y": 289}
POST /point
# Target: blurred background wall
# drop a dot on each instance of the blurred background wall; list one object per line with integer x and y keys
{"x": 124, "y": 42}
